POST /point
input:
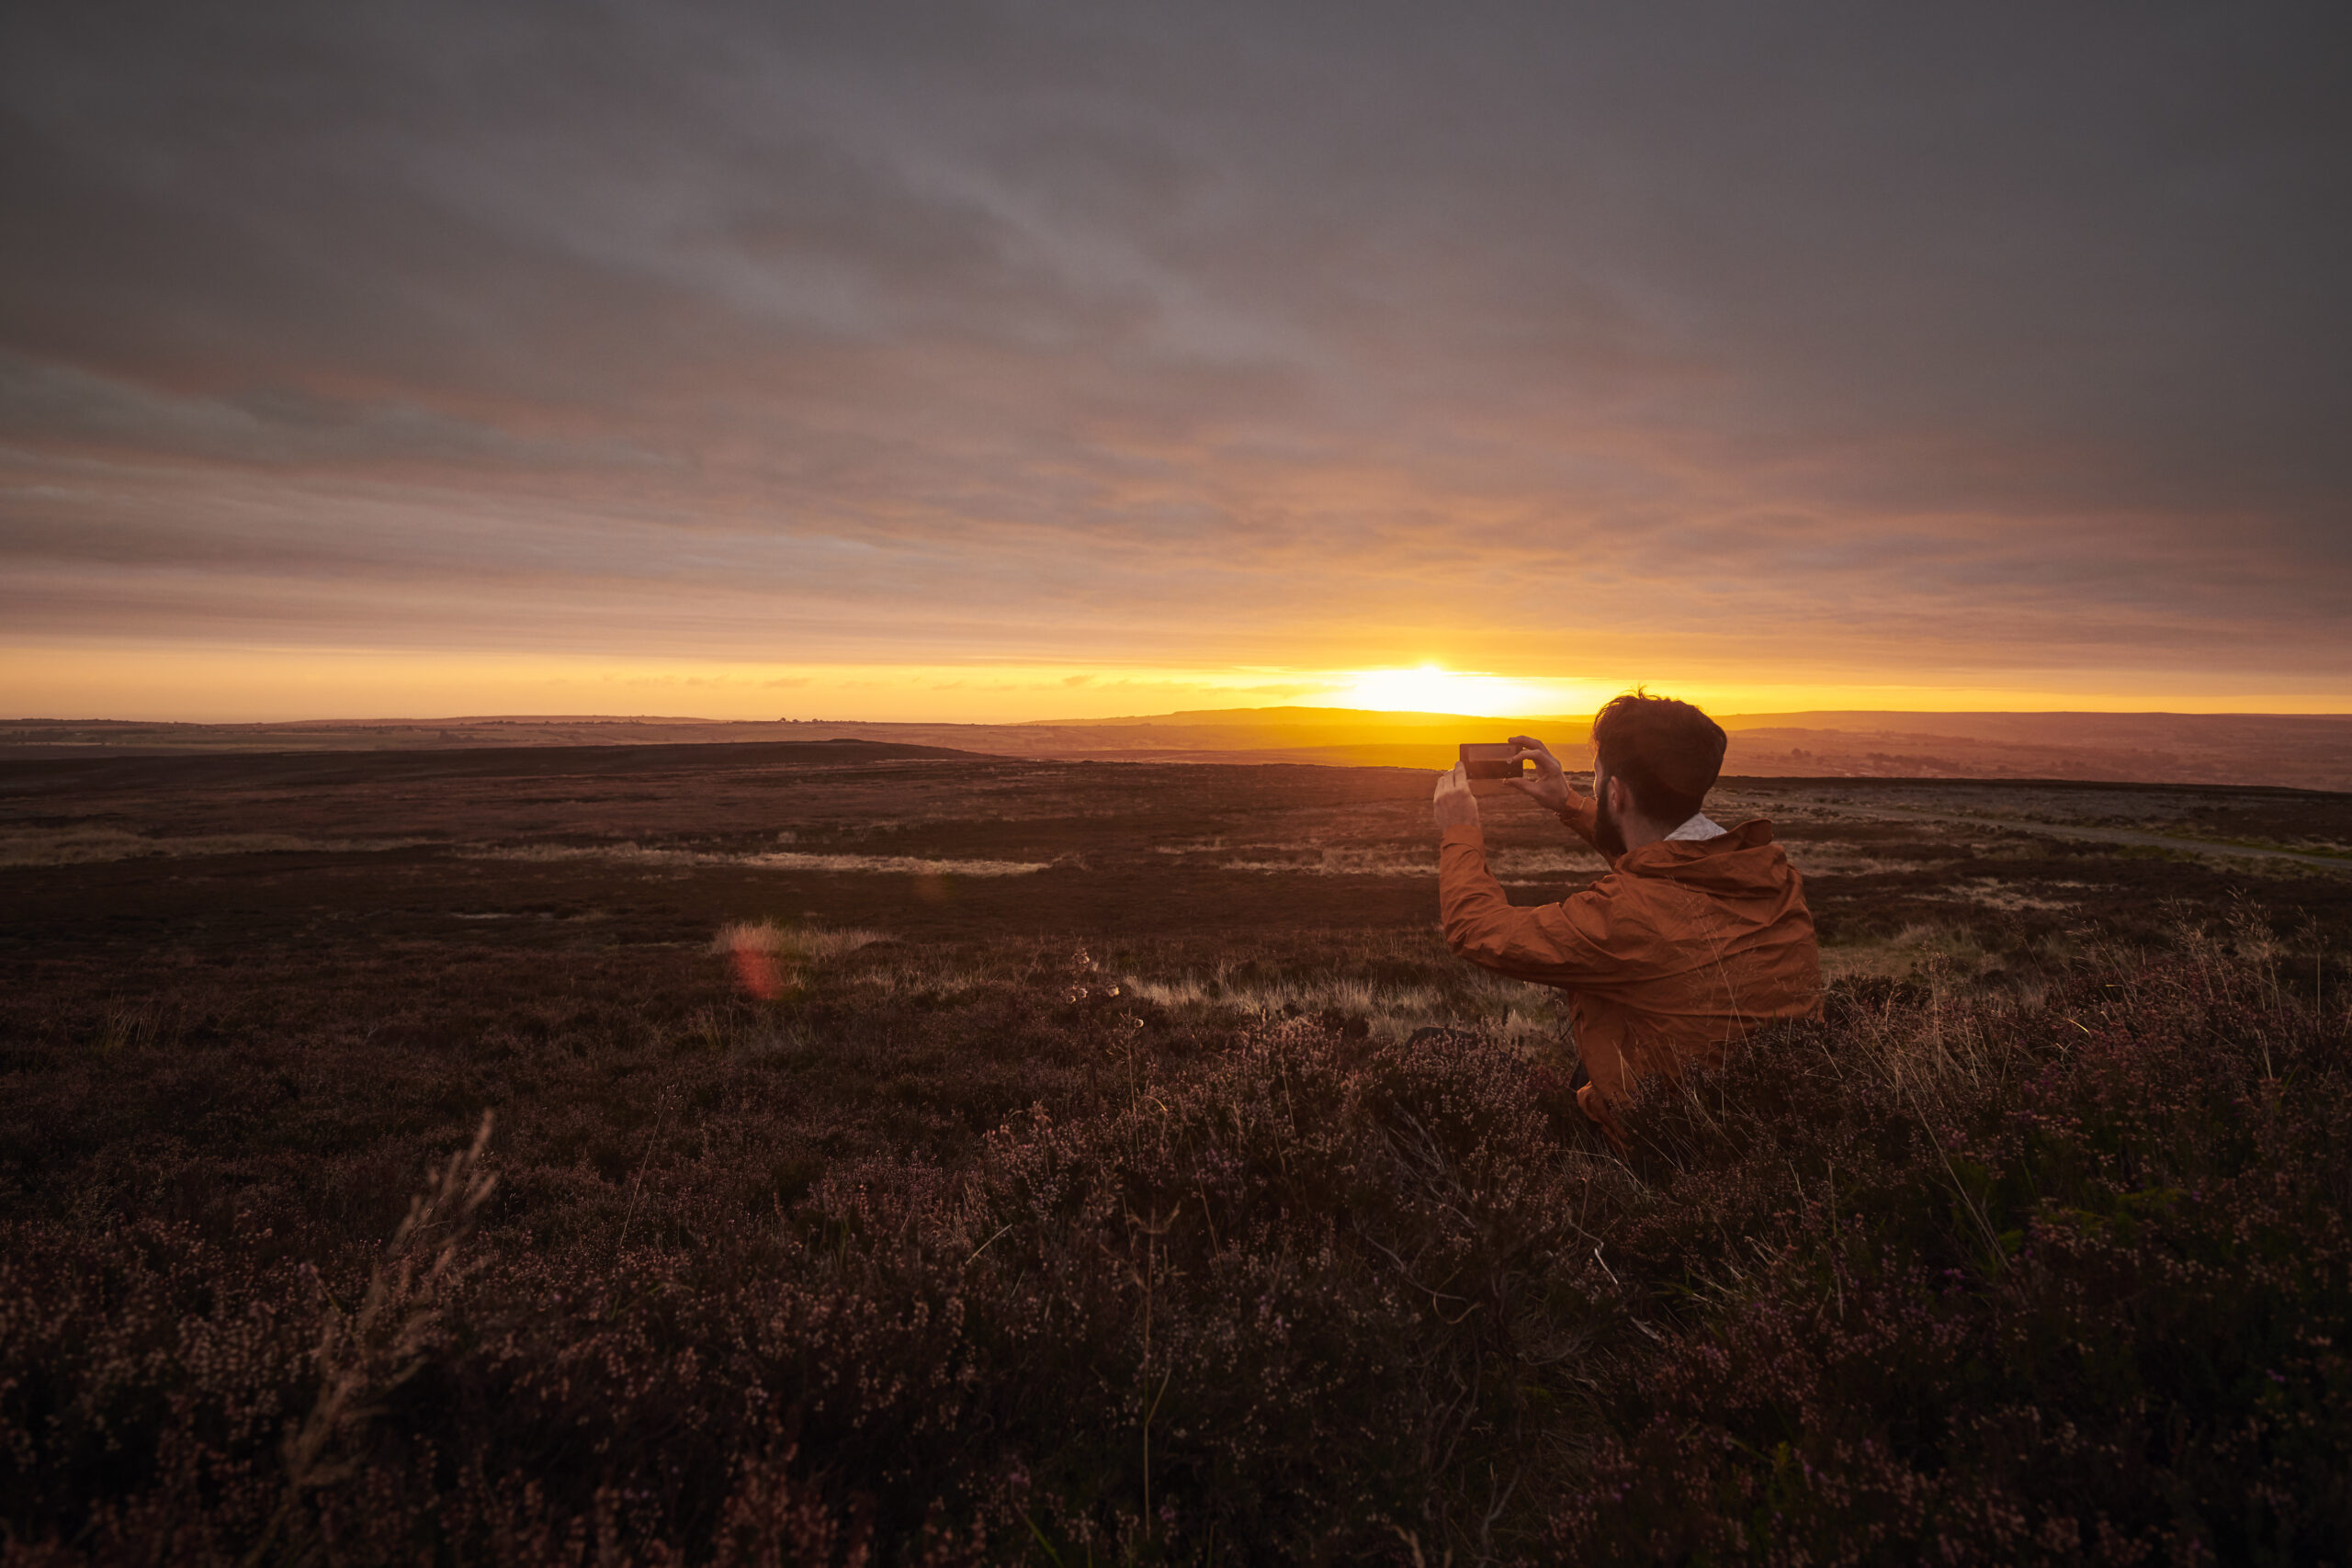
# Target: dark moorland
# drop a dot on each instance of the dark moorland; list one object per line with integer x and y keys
{"x": 897, "y": 1155}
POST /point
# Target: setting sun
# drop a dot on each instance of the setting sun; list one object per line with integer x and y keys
{"x": 1430, "y": 688}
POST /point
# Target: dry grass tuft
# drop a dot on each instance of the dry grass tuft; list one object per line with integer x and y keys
{"x": 807, "y": 944}
{"x": 1506, "y": 1008}
{"x": 1920, "y": 945}
{"x": 630, "y": 854}
{"x": 363, "y": 1357}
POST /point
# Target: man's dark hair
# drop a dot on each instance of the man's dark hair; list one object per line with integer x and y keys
{"x": 1667, "y": 753}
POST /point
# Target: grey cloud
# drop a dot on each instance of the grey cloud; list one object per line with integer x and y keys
{"x": 62, "y": 408}
{"x": 1914, "y": 314}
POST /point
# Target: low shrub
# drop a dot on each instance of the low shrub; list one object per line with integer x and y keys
{"x": 1984, "y": 1278}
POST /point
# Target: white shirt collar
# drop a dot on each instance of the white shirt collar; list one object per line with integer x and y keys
{"x": 1697, "y": 827}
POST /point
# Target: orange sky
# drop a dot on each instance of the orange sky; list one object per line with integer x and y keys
{"x": 1061, "y": 361}
{"x": 198, "y": 683}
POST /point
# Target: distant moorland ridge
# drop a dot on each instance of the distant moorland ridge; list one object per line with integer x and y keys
{"x": 2300, "y": 750}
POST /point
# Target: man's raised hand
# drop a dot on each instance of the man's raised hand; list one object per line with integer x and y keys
{"x": 1549, "y": 788}
{"x": 1452, "y": 804}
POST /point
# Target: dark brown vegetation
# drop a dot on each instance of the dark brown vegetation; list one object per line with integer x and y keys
{"x": 1141, "y": 1206}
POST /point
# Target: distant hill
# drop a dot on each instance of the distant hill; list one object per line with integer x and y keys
{"x": 2304, "y": 750}
{"x": 2310, "y": 752}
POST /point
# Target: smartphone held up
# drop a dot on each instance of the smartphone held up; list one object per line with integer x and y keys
{"x": 1487, "y": 767}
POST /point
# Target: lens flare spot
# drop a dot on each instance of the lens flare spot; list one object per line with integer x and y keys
{"x": 760, "y": 974}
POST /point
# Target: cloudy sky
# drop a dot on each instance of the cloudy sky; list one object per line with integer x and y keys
{"x": 1044, "y": 359}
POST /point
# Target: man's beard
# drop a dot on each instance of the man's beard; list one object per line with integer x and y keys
{"x": 1605, "y": 831}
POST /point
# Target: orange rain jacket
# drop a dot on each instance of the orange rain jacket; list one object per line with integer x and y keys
{"x": 1682, "y": 949}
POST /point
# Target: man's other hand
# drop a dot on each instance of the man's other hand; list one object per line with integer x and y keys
{"x": 1453, "y": 805}
{"x": 1549, "y": 788}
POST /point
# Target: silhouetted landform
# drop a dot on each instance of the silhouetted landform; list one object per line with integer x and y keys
{"x": 128, "y": 767}
{"x": 2307, "y": 751}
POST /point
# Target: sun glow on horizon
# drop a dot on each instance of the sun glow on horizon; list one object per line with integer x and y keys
{"x": 1431, "y": 689}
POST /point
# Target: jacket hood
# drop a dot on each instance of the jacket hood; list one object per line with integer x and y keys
{"x": 1743, "y": 861}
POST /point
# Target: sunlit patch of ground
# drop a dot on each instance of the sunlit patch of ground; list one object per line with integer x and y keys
{"x": 1509, "y": 864}
{"x": 770, "y": 960}
{"x": 774, "y": 860}
{"x": 1510, "y": 1009}
{"x": 1839, "y": 857}
{"x": 1991, "y": 893}
{"x": 1394, "y": 983}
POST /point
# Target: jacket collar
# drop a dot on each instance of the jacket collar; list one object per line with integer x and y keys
{"x": 1650, "y": 859}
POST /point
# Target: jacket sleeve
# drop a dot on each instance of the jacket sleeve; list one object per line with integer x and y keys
{"x": 1574, "y": 942}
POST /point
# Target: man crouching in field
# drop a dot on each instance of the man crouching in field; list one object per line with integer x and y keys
{"x": 1695, "y": 936}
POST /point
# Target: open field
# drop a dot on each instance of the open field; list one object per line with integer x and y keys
{"x": 1013, "y": 1160}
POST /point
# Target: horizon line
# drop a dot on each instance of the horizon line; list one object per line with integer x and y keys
{"x": 1392, "y": 714}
